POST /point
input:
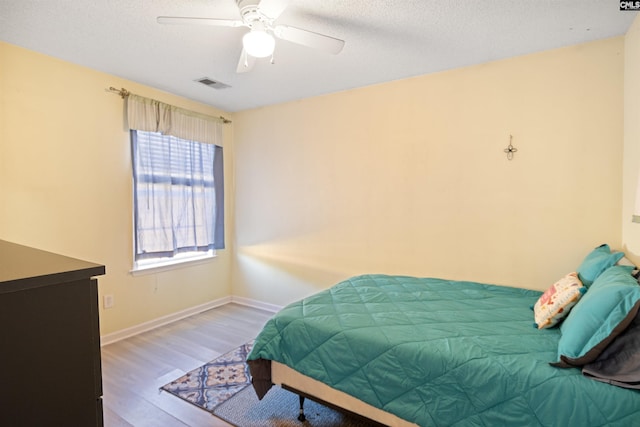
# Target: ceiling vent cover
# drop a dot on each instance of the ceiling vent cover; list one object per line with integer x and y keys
{"x": 212, "y": 83}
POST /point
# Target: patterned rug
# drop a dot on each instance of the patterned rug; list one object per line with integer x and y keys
{"x": 221, "y": 387}
{"x": 280, "y": 408}
{"x": 214, "y": 382}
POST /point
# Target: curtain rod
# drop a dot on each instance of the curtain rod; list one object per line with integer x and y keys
{"x": 124, "y": 93}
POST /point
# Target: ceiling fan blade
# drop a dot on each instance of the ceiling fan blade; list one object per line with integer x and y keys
{"x": 245, "y": 63}
{"x": 178, "y": 20}
{"x": 273, "y": 8}
{"x": 309, "y": 38}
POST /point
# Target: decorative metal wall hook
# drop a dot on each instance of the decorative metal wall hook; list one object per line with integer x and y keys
{"x": 510, "y": 149}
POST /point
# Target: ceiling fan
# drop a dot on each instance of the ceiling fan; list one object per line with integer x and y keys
{"x": 259, "y": 41}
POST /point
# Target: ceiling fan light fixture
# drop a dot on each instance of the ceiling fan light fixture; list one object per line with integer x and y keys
{"x": 258, "y": 43}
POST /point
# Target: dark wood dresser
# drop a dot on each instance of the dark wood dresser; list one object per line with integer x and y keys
{"x": 50, "y": 370}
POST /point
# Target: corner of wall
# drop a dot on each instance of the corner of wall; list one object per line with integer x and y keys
{"x": 631, "y": 147}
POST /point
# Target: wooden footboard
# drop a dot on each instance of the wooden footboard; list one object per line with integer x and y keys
{"x": 315, "y": 390}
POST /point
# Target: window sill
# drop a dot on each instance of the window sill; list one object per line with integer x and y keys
{"x": 171, "y": 265}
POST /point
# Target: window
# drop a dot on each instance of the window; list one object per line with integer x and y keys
{"x": 178, "y": 198}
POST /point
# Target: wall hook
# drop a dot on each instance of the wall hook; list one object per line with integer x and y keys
{"x": 510, "y": 149}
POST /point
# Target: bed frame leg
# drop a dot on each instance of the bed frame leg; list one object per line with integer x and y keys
{"x": 301, "y": 417}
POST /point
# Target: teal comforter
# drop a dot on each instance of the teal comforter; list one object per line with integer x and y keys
{"x": 440, "y": 353}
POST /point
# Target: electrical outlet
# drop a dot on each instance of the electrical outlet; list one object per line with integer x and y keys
{"x": 107, "y": 301}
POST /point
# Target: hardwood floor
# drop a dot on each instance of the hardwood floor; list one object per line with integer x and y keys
{"x": 134, "y": 369}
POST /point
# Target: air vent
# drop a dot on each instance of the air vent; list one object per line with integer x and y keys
{"x": 212, "y": 83}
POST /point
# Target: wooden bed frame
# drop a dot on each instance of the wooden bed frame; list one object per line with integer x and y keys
{"x": 307, "y": 387}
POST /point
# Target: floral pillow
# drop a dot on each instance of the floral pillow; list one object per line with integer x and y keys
{"x": 557, "y": 301}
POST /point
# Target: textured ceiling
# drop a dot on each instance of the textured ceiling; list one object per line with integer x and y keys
{"x": 385, "y": 40}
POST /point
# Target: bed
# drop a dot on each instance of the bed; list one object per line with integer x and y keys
{"x": 402, "y": 350}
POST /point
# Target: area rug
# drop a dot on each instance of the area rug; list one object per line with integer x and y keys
{"x": 280, "y": 408}
{"x": 214, "y": 382}
{"x": 221, "y": 387}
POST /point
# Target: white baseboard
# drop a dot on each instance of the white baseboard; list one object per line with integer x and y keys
{"x": 173, "y": 317}
{"x": 161, "y": 321}
{"x": 256, "y": 304}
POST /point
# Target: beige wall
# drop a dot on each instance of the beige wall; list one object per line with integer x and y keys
{"x": 65, "y": 172}
{"x": 409, "y": 177}
{"x": 631, "y": 231}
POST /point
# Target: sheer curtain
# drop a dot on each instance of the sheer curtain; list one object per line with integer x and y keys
{"x": 178, "y": 179}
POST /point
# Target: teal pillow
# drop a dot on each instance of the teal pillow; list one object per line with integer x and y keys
{"x": 607, "y": 308}
{"x": 596, "y": 262}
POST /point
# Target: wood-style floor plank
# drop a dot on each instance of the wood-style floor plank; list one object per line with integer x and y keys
{"x": 134, "y": 369}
